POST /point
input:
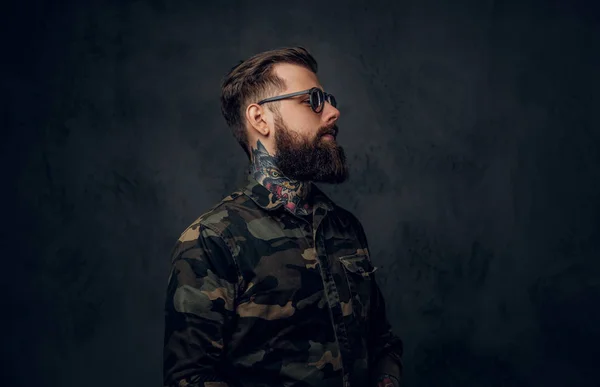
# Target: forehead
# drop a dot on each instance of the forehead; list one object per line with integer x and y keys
{"x": 296, "y": 77}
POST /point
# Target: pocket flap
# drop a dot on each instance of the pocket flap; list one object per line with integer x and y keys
{"x": 358, "y": 264}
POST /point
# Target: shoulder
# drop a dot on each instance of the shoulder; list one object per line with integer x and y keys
{"x": 224, "y": 218}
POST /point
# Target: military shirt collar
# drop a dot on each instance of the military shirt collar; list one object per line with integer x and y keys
{"x": 268, "y": 201}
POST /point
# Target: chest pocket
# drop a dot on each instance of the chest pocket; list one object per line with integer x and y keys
{"x": 359, "y": 274}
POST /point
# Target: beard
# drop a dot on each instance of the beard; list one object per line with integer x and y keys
{"x": 318, "y": 160}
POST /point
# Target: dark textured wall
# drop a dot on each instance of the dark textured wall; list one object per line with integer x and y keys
{"x": 472, "y": 129}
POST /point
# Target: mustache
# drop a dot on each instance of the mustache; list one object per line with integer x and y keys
{"x": 333, "y": 130}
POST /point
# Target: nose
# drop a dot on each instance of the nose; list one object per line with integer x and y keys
{"x": 330, "y": 114}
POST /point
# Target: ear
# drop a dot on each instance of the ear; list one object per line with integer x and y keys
{"x": 257, "y": 118}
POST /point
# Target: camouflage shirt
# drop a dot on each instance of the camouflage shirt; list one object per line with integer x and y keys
{"x": 258, "y": 296}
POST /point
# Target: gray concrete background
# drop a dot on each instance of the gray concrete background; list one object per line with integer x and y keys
{"x": 472, "y": 129}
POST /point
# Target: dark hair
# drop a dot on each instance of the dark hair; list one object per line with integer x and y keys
{"x": 252, "y": 80}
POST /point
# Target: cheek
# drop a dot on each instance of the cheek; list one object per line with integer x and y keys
{"x": 308, "y": 133}
{"x": 303, "y": 117}
{"x": 302, "y": 121}
{"x": 308, "y": 126}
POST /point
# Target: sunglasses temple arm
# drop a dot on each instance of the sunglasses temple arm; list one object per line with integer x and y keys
{"x": 280, "y": 97}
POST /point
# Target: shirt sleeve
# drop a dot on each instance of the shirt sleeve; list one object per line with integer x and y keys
{"x": 199, "y": 309}
{"x": 385, "y": 347}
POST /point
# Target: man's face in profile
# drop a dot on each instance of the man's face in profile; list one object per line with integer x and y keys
{"x": 306, "y": 147}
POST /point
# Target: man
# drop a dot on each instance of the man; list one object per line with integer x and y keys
{"x": 274, "y": 286}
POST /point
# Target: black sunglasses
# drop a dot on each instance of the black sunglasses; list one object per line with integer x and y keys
{"x": 317, "y": 98}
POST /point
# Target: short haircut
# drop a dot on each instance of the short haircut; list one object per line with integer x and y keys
{"x": 252, "y": 80}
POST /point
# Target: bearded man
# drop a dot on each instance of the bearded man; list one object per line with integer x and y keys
{"x": 274, "y": 285}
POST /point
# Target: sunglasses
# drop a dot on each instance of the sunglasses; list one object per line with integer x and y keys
{"x": 317, "y": 98}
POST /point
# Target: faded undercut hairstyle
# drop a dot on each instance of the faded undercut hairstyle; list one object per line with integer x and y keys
{"x": 252, "y": 80}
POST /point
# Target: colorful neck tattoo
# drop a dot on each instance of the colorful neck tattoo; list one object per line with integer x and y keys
{"x": 292, "y": 193}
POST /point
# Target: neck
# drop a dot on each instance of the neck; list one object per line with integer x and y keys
{"x": 293, "y": 193}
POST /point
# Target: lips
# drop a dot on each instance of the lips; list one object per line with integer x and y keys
{"x": 331, "y": 133}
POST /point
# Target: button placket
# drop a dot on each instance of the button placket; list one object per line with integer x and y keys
{"x": 333, "y": 297}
